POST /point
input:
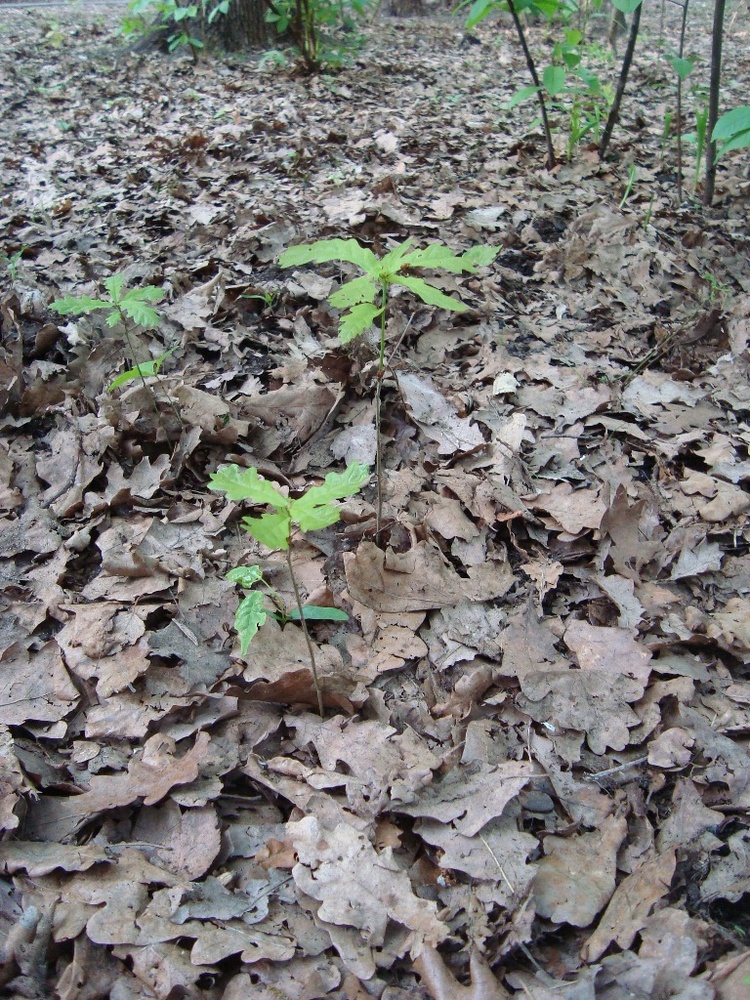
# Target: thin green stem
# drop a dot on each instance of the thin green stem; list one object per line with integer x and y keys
{"x": 378, "y": 426}
{"x": 147, "y": 385}
{"x": 305, "y": 632}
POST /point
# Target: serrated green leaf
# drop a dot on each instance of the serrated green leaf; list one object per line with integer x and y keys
{"x": 362, "y": 289}
{"x": 246, "y": 484}
{"x": 272, "y": 530}
{"x": 431, "y": 295}
{"x": 441, "y": 257}
{"x": 314, "y": 613}
{"x": 325, "y": 250}
{"x": 114, "y": 284}
{"x": 481, "y": 256}
{"x": 140, "y": 313}
{"x": 72, "y": 305}
{"x": 248, "y": 618}
{"x": 357, "y": 320}
{"x": 315, "y": 509}
{"x": 245, "y": 576}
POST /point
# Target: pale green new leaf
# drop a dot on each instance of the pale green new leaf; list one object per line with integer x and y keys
{"x": 324, "y": 250}
{"x": 315, "y": 509}
{"x": 246, "y": 576}
{"x": 732, "y": 123}
{"x": 394, "y": 261}
{"x": 248, "y": 618}
{"x": 72, "y": 305}
{"x": 626, "y": 6}
{"x": 114, "y": 284}
{"x": 431, "y": 295}
{"x": 246, "y": 484}
{"x": 357, "y": 320}
{"x": 480, "y": 256}
{"x": 271, "y": 530}
{"x": 140, "y": 313}
{"x": 553, "y": 79}
{"x": 362, "y": 289}
{"x": 479, "y": 10}
{"x": 439, "y": 256}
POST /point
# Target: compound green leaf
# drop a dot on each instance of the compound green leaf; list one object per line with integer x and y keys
{"x": 248, "y": 618}
{"x": 481, "y": 256}
{"x": 246, "y": 484}
{"x": 272, "y": 529}
{"x": 362, "y": 289}
{"x": 357, "y": 320}
{"x": 431, "y": 295}
{"x": 324, "y": 250}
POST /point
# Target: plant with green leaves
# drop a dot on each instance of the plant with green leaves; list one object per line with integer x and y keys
{"x": 316, "y": 508}
{"x": 185, "y": 24}
{"x": 131, "y": 308}
{"x": 364, "y": 299}
{"x": 323, "y": 31}
{"x": 11, "y": 261}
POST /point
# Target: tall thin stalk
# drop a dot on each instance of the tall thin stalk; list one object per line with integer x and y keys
{"x": 717, "y": 38}
{"x": 680, "y": 53}
{"x": 614, "y": 111}
{"x": 551, "y": 159}
{"x": 306, "y": 633}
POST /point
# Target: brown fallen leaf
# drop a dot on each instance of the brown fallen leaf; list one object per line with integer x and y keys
{"x": 443, "y": 985}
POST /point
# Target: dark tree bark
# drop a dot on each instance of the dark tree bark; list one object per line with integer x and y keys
{"x": 242, "y": 27}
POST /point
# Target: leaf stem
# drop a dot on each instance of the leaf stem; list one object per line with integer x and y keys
{"x": 378, "y": 422}
{"x": 306, "y": 633}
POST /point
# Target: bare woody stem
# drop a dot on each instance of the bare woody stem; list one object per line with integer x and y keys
{"x": 551, "y": 159}
{"x": 305, "y": 632}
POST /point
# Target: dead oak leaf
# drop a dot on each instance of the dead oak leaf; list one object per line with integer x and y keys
{"x": 357, "y": 886}
{"x": 576, "y": 877}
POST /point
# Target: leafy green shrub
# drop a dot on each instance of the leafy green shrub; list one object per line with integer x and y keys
{"x": 184, "y": 24}
{"x": 323, "y": 31}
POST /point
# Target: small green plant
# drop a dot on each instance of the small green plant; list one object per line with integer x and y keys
{"x": 11, "y": 262}
{"x": 629, "y": 186}
{"x": 365, "y": 299}
{"x": 131, "y": 308}
{"x": 316, "y": 508}
{"x": 185, "y": 24}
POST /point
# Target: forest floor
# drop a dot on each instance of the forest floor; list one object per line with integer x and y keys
{"x": 532, "y": 775}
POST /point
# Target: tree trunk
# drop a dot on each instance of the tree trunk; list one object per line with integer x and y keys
{"x": 242, "y": 27}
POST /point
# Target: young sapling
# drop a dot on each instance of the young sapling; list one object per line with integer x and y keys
{"x": 316, "y": 508}
{"x": 364, "y": 299}
{"x": 132, "y": 308}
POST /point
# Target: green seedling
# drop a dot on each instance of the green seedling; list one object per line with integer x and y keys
{"x": 315, "y": 509}
{"x": 11, "y": 262}
{"x": 364, "y": 300}
{"x": 130, "y": 308}
{"x": 629, "y": 186}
